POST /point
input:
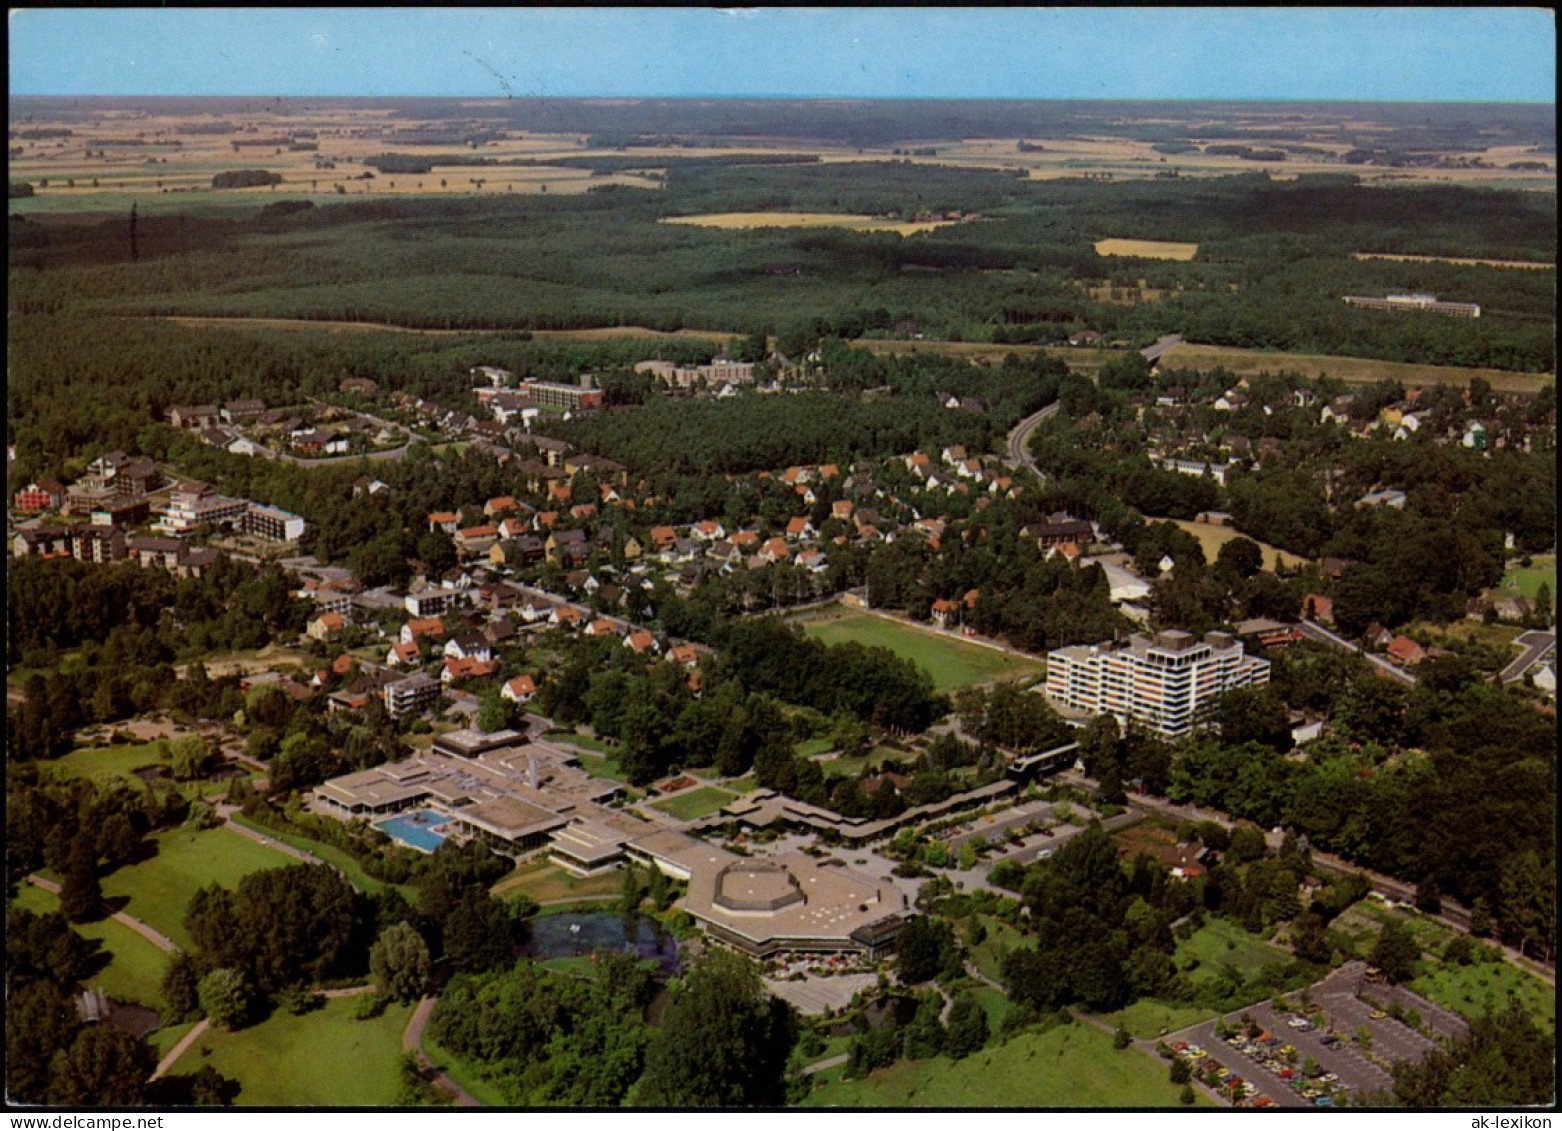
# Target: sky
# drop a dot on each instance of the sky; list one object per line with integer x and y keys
{"x": 1325, "y": 54}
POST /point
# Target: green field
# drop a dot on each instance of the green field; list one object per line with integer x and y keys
{"x": 1487, "y": 988}
{"x": 159, "y": 889}
{"x": 1149, "y": 1019}
{"x": 1527, "y": 581}
{"x": 1220, "y": 943}
{"x": 324, "y": 1058}
{"x": 546, "y": 882}
{"x": 1070, "y": 1066}
{"x": 110, "y": 765}
{"x": 951, "y": 663}
{"x": 135, "y": 969}
{"x": 693, "y": 804}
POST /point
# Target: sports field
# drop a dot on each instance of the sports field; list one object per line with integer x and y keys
{"x": 135, "y": 969}
{"x": 159, "y": 889}
{"x": 952, "y": 663}
{"x": 324, "y": 1058}
{"x": 693, "y": 804}
{"x": 1070, "y": 1066}
{"x": 1148, "y": 249}
{"x": 1212, "y": 538}
{"x": 852, "y": 223}
{"x": 1354, "y": 370}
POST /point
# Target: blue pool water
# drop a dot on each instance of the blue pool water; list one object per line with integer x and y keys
{"x": 569, "y": 934}
{"x": 415, "y": 829}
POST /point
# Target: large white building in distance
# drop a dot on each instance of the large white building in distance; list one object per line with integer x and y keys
{"x": 1170, "y": 683}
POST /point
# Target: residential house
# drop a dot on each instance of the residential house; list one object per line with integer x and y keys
{"x": 236, "y": 412}
{"x": 414, "y": 693}
{"x": 195, "y": 417}
{"x": 1405, "y": 652}
{"x": 812, "y": 560}
{"x": 708, "y": 531}
{"x": 566, "y": 548}
{"x": 641, "y": 643}
{"x": 415, "y": 630}
{"x": 448, "y": 521}
{"x": 457, "y": 670}
{"x": 683, "y": 654}
{"x": 800, "y": 527}
{"x": 44, "y": 495}
{"x": 431, "y": 602}
{"x": 1317, "y": 607}
{"x": 402, "y": 655}
{"x": 519, "y": 690}
{"x": 499, "y": 505}
{"x": 775, "y": 550}
{"x": 468, "y": 646}
{"x": 325, "y": 626}
{"x": 472, "y": 540}
{"x": 942, "y": 610}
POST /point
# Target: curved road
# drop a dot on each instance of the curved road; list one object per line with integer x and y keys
{"x": 1019, "y": 438}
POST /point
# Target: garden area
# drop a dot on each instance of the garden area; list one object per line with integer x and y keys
{"x": 692, "y": 804}
{"x": 952, "y": 663}
{"x": 546, "y": 883}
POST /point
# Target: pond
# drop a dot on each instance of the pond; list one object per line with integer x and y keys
{"x": 571, "y": 934}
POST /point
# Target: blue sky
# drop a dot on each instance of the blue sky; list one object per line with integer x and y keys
{"x": 1393, "y": 54}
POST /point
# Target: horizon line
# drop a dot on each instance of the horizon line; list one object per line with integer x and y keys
{"x": 827, "y": 98}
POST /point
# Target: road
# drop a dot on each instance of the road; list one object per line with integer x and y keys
{"x": 1316, "y": 632}
{"x": 1152, "y": 354}
{"x": 181, "y": 1048}
{"x": 1019, "y": 438}
{"x": 412, "y": 1041}
{"x": 1536, "y": 645}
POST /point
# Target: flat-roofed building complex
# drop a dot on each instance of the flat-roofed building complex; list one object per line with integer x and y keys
{"x": 719, "y": 371}
{"x": 1170, "y": 683}
{"x": 272, "y": 523}
{"x": 573, "y": 398}
{"x": 512, "y": 797}
{"x": 1416, "y": 302}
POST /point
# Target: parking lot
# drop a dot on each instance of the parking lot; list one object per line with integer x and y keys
{"x": 1270, "y": 1050}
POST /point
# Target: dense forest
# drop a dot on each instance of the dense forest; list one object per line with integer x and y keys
{"x": 1275, "y": 260}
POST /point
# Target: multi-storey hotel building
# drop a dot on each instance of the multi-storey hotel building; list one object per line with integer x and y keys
{"x": 1170, "y": 683}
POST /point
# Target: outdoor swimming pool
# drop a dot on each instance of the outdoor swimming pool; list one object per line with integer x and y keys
{"x": 415, "y": 829}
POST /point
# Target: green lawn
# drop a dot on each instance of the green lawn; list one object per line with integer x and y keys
{"x": 546, "y": 882}
{"x": 951, "y": 663}
{"x": 135, "y": 969}
{"x": 1487, "y": 988}
{"x": 1069, "y": 1066}
{"x": 1527, "y": 581}
{"x": 324, "y": 1058}
{"x": 1149, "y": 1018}
{"x": 159, "y": 888}
{"x": 811, "y": 747}
{"x": 109, "y": 765}
{"x": 692, "y": 804}
{"x": 741, "y": 786}
{"x": 331, "y": 855}
{"x": 1222, "y": 943}
{"x": 1001, "y": 938}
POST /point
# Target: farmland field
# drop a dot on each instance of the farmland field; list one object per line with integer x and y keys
{"x": 952, "y": 663}
{"x": 1148, "y": 249}
{"x": 693, "y": 804}
{"x": 1069, "y": 1066}
{"x": 852, "y": 223}
{"x": 1355, "y": 370}
{"x": 326, "y": 1057}
{"x": 1212, "y": 538}
{"x": 159, "y": 889}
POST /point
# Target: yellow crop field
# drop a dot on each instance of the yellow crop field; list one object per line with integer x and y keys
{"x": 1212, "y": 538}
{"x": 1518, "y": 264}
{"x": 1148, "y": 249}
{"x": 854, "y": 223}
{"x": 1355, "y": 370}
